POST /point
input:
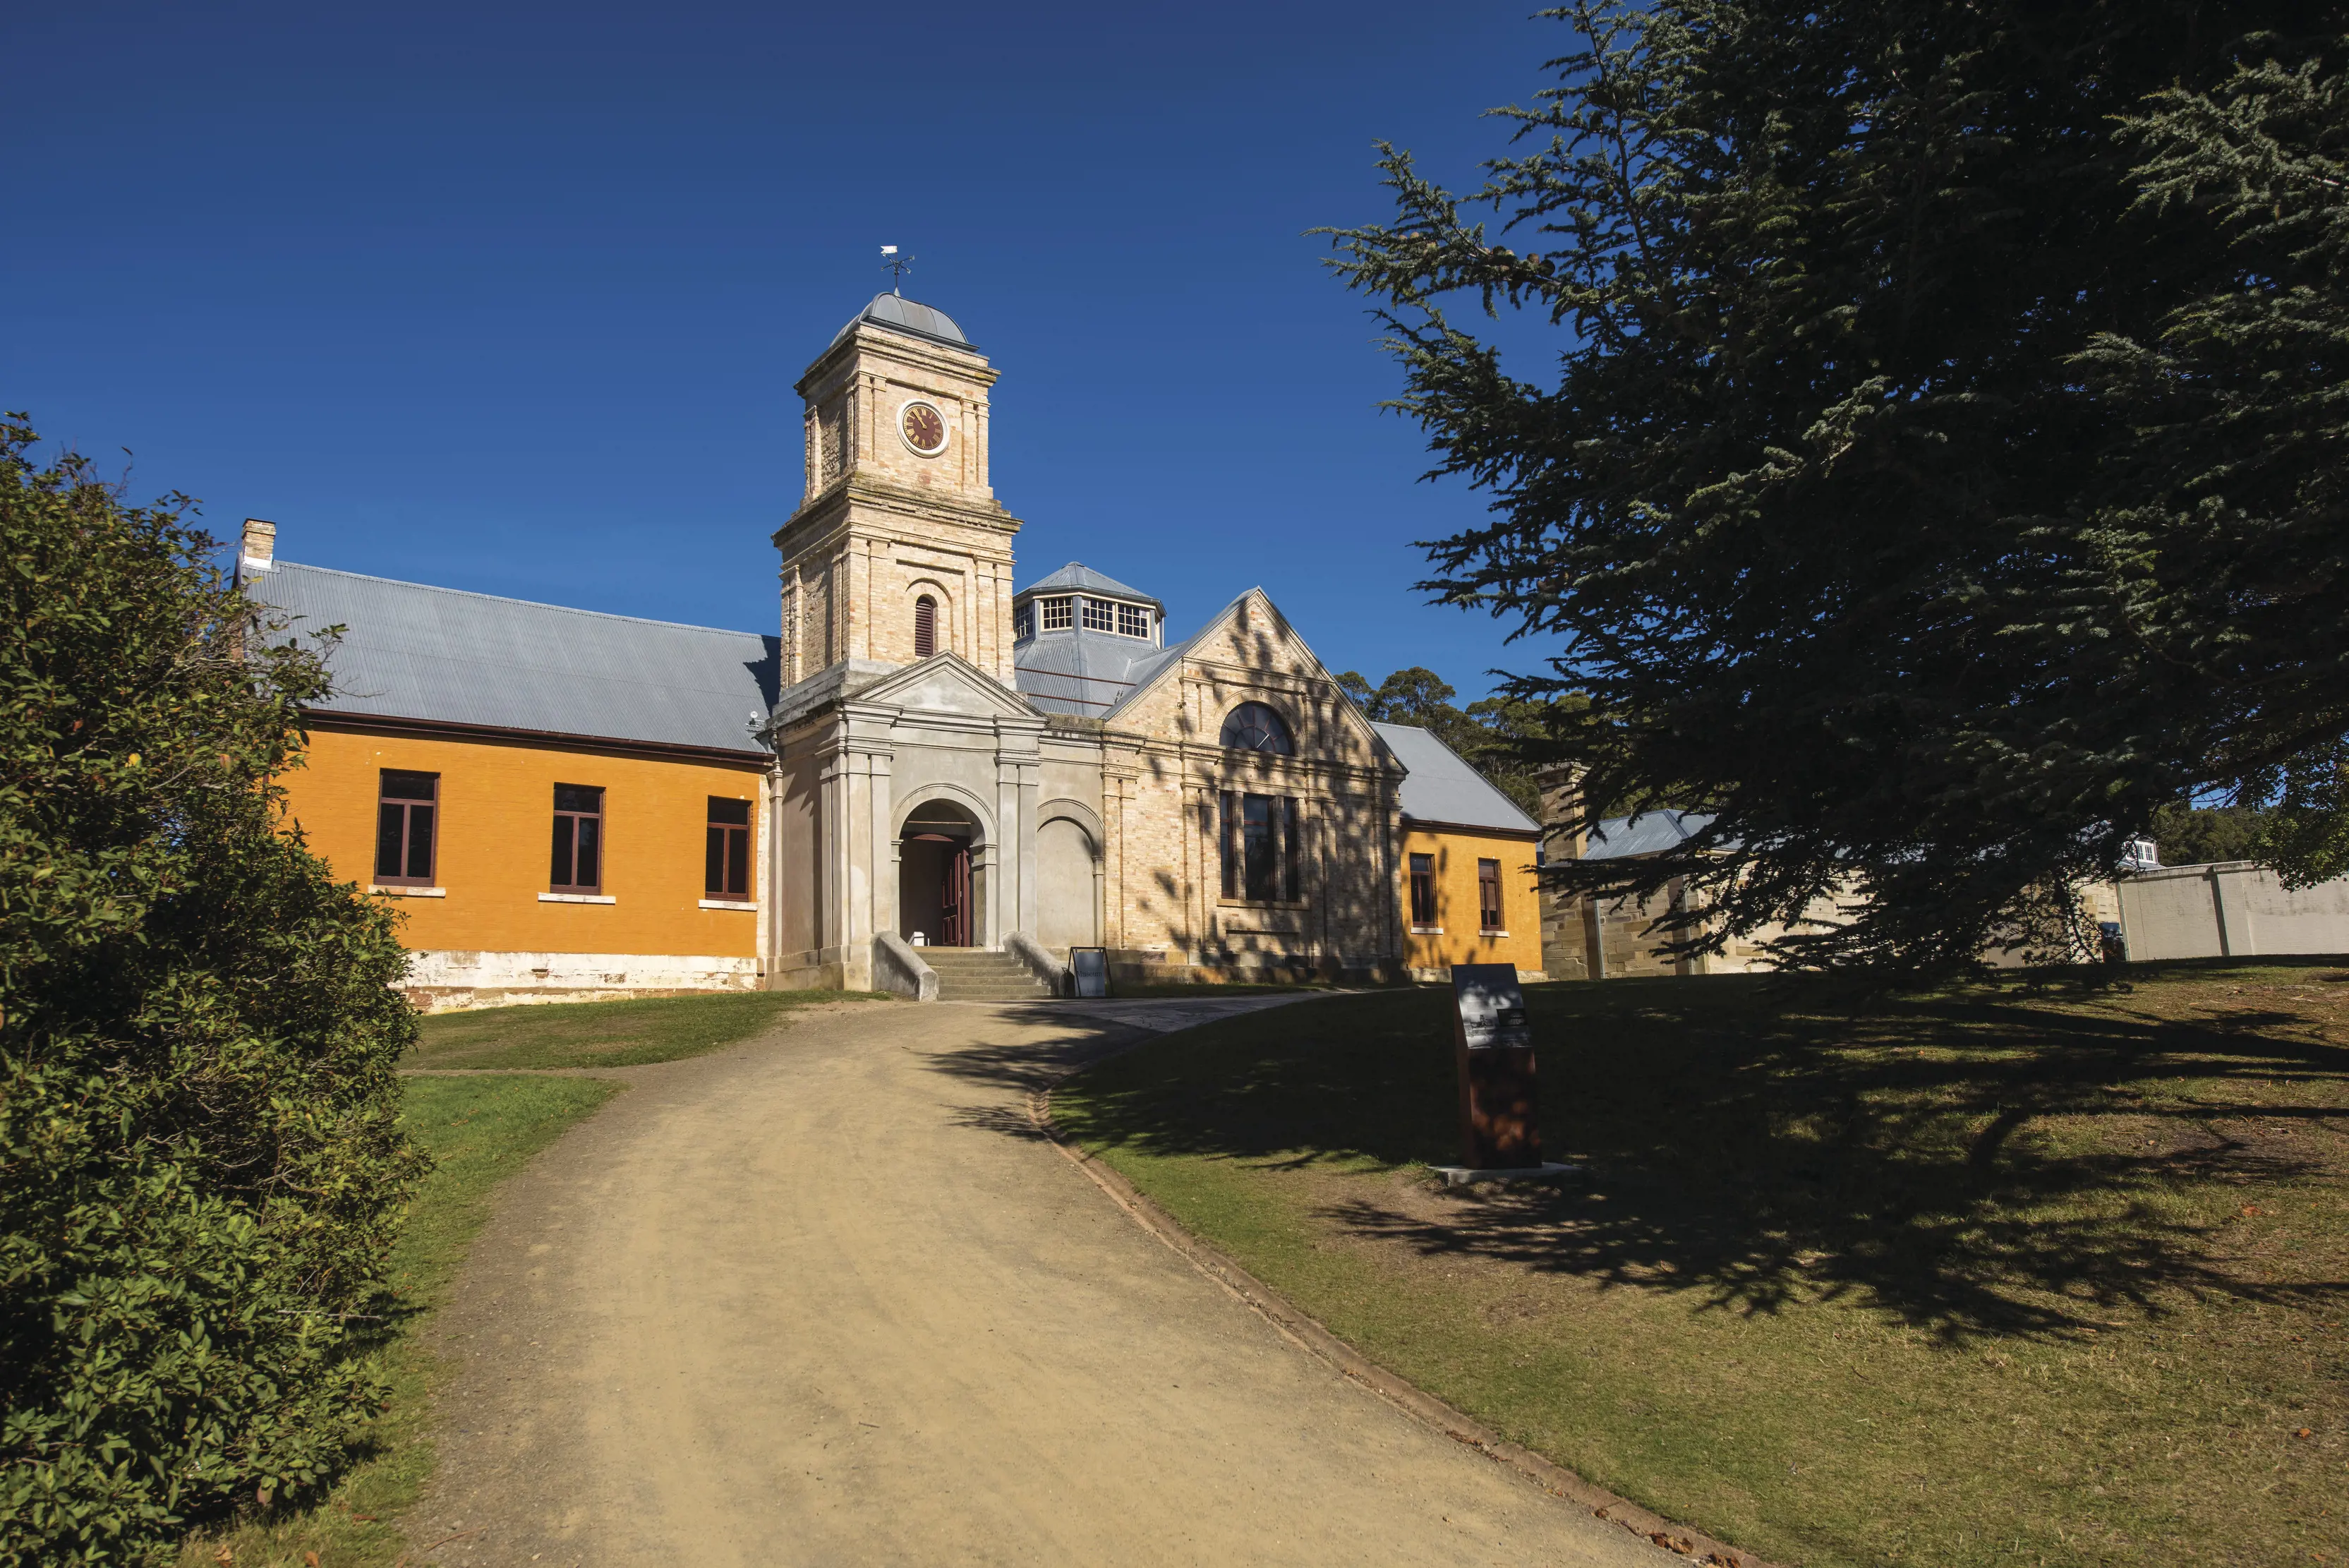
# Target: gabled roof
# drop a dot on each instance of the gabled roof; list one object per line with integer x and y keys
{"x": 1645, "y": 833}
{"x": 1143, "y": 670}
{"x": 444, "y": 656}
{"x": 899, "y": 314}
{"x": 1077, "y": 577}
{"x": 1443, "y": 787}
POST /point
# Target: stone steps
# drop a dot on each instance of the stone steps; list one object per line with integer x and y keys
{"x": 977, "y": 974}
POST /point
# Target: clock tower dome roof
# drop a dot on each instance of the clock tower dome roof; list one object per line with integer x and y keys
{"x": 899, "y": 314}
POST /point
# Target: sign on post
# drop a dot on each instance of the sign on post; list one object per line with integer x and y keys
{"x": 1089, "y": 966}
{"x": 1493, "y": 1046}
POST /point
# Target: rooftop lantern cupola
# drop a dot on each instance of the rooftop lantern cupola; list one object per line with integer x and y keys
{"x": 1080, "y": 601}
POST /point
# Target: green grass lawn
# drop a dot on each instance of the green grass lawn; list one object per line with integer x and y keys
{"x": 2009, "y": 1273}
{"x": 481, "y": 1131}
{"x": 608, "y": 1033}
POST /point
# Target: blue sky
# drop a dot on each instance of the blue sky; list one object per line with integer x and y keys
{"x": 512, "y": 297}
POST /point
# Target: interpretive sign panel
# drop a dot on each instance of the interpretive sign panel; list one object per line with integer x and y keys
{"x": 1091, "y": 966}
{"x": 1499, "y": 1108}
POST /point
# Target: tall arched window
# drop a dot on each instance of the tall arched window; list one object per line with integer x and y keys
{"x": 926, "y": 627}
{"x": 1254, "y": 727}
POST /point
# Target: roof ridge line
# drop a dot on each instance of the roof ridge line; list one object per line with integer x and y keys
{"x": 508, "y": 599}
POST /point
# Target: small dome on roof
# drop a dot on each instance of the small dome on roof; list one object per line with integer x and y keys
{"x": 903, "y": 315}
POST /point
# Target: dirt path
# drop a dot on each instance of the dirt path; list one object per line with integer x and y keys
{"x": 826, "y": 1298}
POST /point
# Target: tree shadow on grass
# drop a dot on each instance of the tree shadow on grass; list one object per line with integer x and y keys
{"x": 1996, "y": 1161}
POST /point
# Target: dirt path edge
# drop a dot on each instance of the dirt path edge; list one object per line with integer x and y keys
{"x": 1308, "y": 1335}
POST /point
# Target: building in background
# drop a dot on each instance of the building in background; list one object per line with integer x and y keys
{"x": 925, "y": 780}
{"x": 2230, "y": 908}
{"x": 1587, "y": 938}
{"x": 562, "y": 804}
{"x": 1467, "y": 889}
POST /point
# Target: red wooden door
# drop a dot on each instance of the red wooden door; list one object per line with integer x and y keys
{"x": 955, "y": 898}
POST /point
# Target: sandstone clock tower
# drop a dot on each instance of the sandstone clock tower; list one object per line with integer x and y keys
{"x": 899, "y": 548}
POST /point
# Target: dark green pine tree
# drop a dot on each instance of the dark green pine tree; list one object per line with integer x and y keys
{"x": 1941, "y": 467}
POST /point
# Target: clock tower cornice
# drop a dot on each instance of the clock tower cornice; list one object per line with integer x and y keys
{"x": 857, "y": 493}
{"x": 865, "y": 342}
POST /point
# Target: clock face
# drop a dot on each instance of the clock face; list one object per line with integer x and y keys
{"x": 925, "y": 429}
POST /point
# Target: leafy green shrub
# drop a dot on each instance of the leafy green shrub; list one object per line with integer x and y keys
{"x": 200, "y": 1167}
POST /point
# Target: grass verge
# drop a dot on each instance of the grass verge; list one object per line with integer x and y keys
{"x": 481, "y": 1131}
{"x": 2003, "y": 1274}
{"x": 608, "y": 1033}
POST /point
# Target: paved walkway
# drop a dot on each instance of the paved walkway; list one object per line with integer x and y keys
{"x": 826, "y": 1298}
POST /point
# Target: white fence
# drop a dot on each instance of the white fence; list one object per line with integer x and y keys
{"x": 2232, "y": 908}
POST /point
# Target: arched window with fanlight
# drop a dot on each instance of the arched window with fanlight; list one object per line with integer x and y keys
{"x": 1254, "y": 727}
{"x": 926, "y": 627}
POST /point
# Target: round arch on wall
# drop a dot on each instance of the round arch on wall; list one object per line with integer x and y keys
{"x": 1066, "y": 810}
{"x": 1258, "y": 726}
{"x": 953, "y": 792}
{"x": 942, "y": 612}
{"x": 1070, "y": 874}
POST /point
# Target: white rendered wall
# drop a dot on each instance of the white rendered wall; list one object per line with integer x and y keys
{"x": 2232, "y": 908}
{"x": 445, "y": 981}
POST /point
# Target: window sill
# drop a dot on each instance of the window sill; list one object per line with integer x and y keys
{"x": 1263, "y": 904}
{"x": 727, "y": 904}
{"x": 1427, "y": 930}
{"x": 401, "y": 890}
{"x": 1492, "y": 936}
{"x": 577, "y": 898}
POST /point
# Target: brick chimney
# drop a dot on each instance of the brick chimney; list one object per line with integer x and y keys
{"x": 258, "y": 550}
{"x": 1567, "y": 920}
{"x": 1561, "y": 811}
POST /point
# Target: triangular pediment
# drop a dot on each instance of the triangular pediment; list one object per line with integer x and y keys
{"x": 947, "y": 684}
{"x": 1251, "y": 633}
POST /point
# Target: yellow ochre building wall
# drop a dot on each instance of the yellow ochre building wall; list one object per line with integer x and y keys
{"x": 489, "y": 937}
{"x": 1429, "y": 954}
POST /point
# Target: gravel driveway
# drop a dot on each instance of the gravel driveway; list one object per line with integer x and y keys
{"x": 825, "y": 1297}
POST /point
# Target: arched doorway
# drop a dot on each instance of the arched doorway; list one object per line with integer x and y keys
{"x": 1068, "y": 871}
{"x": 935, "y": 896}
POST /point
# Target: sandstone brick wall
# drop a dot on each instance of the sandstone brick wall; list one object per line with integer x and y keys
{"x": 883, "y": 523}
{"x": 1165, "y": 770}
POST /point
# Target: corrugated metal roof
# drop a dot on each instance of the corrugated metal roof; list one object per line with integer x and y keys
{"x": 1443, "y": 787}
{"x": 1645, "y": 833}
{"x": 1078, "y": 578}
{"x": 1080, "y": 672}
{"x": 895, "y": 310}
{"x": 411, "y": 651}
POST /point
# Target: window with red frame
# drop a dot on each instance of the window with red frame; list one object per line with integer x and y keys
{"x": 1488, "y": 895}
{"x": 1422, "y": 889}
{"x": 578, "y": 865}
{"x": 727, "y": 866}
{"x": 406, "y": 806}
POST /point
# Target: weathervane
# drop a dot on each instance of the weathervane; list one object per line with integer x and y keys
{"x": 897, "y": 266}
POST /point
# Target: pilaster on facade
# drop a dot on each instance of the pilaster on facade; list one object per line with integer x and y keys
{"x": 767, "y": 874}
{"x": 1117, "y": 800}
{"x": 837, "y": 848}
{"x": 1026, "y": 779}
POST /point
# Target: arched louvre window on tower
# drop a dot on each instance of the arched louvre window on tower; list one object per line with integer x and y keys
{"x": 926, "y": 627}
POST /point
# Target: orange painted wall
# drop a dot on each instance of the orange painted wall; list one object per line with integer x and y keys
{"x": 1456, "y": 854}
{"x": 495, "y": 828}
